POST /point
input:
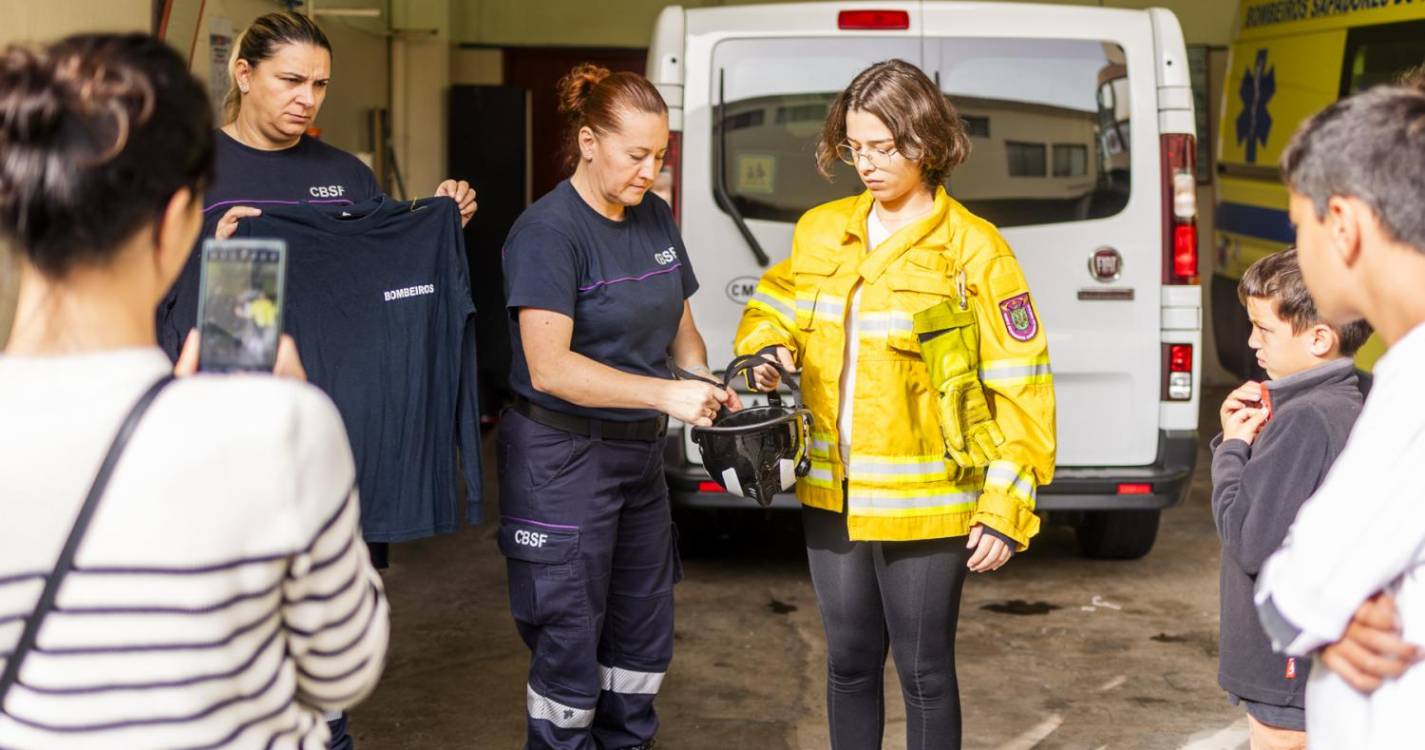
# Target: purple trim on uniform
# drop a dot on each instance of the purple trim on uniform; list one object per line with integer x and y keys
{"x": 327, "y": 201}
{"x": 648, "y": 275}
{"x": 541, "y": 523}
{"x": 112, "y": 725}
{"x": 186, "y": 682}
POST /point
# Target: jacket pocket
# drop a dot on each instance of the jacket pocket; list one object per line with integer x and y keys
{"x": 521, "y": 539}
{"x": 547, "y": 583}
{"x": 811, "y": 274}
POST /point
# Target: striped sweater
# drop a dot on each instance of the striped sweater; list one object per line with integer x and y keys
{"x": 222, "y": 596}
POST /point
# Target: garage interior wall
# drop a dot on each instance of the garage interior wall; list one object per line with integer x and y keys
{"x": 360, "y": 79}
{"x": 33, "y": 22}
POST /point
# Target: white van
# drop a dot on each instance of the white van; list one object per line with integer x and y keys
{"x": 1081, "y": 122}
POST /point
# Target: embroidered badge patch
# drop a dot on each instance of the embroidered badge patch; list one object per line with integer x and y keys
{"x": 1019, "y": 318}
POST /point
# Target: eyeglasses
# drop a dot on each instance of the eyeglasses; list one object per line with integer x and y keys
{"x": 880, "y": 158}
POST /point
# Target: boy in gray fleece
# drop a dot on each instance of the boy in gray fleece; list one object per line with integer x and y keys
{"x": 1279, "y": 438}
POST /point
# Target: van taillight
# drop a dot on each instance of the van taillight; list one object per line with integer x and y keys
{"x": 668, "y": 185}
{"x": 1179, "y": 209}
{"x": 1177, "y": 372}
{"x": 873, "y": 20}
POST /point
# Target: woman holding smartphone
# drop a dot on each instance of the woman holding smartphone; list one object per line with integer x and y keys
{"x": 219, "y": 595}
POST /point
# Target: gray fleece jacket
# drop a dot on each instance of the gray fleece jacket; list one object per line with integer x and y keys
{"x": 1256, "y": 492}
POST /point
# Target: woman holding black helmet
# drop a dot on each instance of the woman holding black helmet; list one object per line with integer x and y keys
{"x": 597, "y": 282}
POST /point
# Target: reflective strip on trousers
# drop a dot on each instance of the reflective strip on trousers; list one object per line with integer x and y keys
{"x": 558, "y": 714}
{"x": 890, "y": 502}
{"x": 629, "y": 682}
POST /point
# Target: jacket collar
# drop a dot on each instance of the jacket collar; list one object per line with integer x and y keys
{"x": 1340, "y": 371}
{"x": 932, "y": 227}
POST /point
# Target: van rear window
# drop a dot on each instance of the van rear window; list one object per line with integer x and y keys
{"x": 1048, "y": 120}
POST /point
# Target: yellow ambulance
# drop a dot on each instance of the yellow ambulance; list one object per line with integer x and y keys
{"x": 1290, "y": 58}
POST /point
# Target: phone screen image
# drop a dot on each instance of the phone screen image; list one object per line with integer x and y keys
{"x": 240, "y": 304}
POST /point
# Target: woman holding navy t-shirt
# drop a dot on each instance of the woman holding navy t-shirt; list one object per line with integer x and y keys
{"x": 279, "y": 76}
{"x": 597, "y": 282}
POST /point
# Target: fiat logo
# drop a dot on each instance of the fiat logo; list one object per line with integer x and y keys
{"x": 1106, "y": 264}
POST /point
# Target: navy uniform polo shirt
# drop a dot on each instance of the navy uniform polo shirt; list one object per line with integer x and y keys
{"x": 623, "y": 283}
{"x": 309, "y": 172}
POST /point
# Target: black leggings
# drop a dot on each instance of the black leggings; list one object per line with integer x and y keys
{"x": 876, "y": 596}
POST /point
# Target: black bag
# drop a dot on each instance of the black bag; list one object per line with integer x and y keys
{"x": 76, "y": 535}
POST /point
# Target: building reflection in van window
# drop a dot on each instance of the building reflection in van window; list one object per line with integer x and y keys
{"x": 1058, "y": 151}
{"x": 1071, "y": 160}
{"x": 1025, "y": 159}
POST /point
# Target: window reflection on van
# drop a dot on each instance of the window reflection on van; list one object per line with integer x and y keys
{"x": 1048, "y": 122}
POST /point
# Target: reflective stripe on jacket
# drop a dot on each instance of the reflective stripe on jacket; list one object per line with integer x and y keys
{"x": 901, "y": 485}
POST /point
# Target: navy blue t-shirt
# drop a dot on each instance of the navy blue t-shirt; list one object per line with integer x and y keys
{"x": 623, "y": 283}
{"x": 378, "y": 300}
{"x": 310, "y": 171}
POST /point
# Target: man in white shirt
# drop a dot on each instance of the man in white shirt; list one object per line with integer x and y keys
{"x": 1356, "y": 173}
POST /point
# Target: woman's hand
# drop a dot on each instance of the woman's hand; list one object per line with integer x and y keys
{"x": 692, "y": 401}
{"x": 766, "y": 377}
{"x": 228, "y": 224}
{"x": 991, "y": 552}
{"x": 289, "y": 363}
{"x": 464, "y": 196}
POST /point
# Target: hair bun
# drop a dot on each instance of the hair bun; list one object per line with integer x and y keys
{"x": 31, "y": 103}
{"x": 576, "y": 85}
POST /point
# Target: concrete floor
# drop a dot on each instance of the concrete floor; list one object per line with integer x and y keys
{"x": 1055, "y": 652}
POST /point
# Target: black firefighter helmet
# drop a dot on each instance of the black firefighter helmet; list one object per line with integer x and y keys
{"x": 761, "y": 450}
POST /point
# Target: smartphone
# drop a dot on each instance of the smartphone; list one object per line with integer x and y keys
{"x": 240, "y": 300}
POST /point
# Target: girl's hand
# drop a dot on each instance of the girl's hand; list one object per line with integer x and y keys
{"x": 991, "y": 552}
{"x": 766, "y": 378}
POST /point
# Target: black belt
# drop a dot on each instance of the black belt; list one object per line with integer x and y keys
{"x": 647, "y": 430}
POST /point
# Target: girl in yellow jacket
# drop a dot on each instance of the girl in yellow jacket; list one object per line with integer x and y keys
{"x": 927, "y": 373}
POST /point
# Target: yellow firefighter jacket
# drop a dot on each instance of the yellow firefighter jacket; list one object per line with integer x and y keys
{"x": 901, "y": 486}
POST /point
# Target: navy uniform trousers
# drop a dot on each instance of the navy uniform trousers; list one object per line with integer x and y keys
{"x": 589, "y": 540}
